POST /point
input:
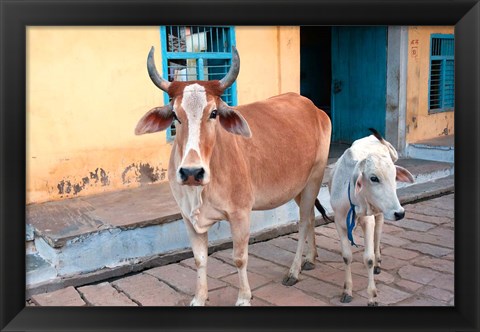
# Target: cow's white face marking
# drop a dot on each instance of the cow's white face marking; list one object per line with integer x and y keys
{"x": 194, "y": 102}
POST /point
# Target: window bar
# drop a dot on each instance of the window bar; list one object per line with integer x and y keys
{"x": 200, "y": 73}
{"x": 192, "y": 36}
{"x": 211, "y": 40}
{"x": 179, "y": 39}
{"x": 223, "y": 39}
{"x": 442, "y": 84}
{"x": 199, "y": 40}
{"x": 216, "y": 32}
{"x": 173, "y": 38}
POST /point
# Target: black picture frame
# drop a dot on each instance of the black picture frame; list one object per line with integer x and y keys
{"x": 17, "y": 15}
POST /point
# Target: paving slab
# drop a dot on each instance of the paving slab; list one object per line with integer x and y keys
{"x": 280, "y": 295}
{"x": 441, "y": 265}
{"x": 319, "y": 287}
{"x": 437, "y": 293}
{"x": 227, "y": 296}
{"x": 429, "y": 249}
{"x": 444, "y": 281}
{"x": 408, "y": 285}
{"x": 255, "y": 280}
{"x": 68, "y": 297}
{"x": 430, "y": 237}
{"x": 399, "y": 253}
{"x": 182, "y": 278}
{"x": 418, "y": 274}
{"x": 421, "y": 301}
{"x": 387, "y": 295}
{"x": 104, "y": 294}
{"x": 147, "y": 290}
{"x": 215, "y": 267}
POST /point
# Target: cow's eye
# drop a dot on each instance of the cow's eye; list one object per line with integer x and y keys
{"x": 175, "y": 117}
{"x": 374, "y": 179}
{"x": 213, "y": 115}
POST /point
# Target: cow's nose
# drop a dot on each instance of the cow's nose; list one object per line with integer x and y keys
{"x": 399, "y": 215}
{"x": 196, "y": 173}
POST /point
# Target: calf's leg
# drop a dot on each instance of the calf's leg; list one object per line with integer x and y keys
{"x": 378, "y": 235}
{"x": 368, "y": 226}
{"x": 347, "y": 257}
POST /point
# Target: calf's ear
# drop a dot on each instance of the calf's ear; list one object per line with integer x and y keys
{"x": 359, "y": 183}
{"x": 232, "y": 121}
{"x": 403, "y": 175}
{"x": 157, "y": 119}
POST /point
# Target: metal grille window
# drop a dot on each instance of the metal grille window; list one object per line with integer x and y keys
{"x": 442, "y": 80}
{"x": 197, "y": 53}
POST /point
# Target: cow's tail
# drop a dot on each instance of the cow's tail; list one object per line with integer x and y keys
{"x": 321, "y": 209}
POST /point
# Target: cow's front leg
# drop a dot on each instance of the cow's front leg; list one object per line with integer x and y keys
{"x": 368, "y": 225}
{"x": 347, "y": 257}
{"x": 199, "y": 244}
{"x": 240, "y": 226}
{"x": 378, "y": 235}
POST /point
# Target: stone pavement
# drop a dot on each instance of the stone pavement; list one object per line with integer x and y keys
{"x": 417, "y": 270}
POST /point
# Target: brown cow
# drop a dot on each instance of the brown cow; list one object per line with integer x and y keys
{"x": 226, "y": 162}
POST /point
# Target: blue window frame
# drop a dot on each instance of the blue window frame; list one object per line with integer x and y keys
{"x": 442, "y": 73}
{"x": 197, "y": 53}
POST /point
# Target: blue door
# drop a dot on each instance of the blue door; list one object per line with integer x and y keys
{"x": 359, "y": 75}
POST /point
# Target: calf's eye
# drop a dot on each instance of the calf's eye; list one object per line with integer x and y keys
{"x": 374, "y": 179}
{"x": 213, "y": 115}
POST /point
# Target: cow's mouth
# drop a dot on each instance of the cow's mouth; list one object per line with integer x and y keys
{"x": 192, "y": 182}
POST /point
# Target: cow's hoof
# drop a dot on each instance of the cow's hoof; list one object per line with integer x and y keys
{"x": 377, "y": 270}
{"x": 197, "y": 303}
{"x": 346, "y": 298}
{"x": 373, "y": 304}
{"x": 289, "y": 280}
{"x": 307, "y": 266}
{"x": 243, "y": 303}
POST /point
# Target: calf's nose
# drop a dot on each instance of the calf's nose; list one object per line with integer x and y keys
{"x": 399, "y": 215}
{"x": 196, "y": 173}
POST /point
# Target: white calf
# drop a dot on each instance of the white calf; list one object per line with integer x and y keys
{"x": 363, "y": 191}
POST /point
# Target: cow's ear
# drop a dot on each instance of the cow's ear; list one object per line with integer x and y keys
{"x": 157, "y": 119}
{"x": 359, "y": 183}
{"x": 233, "y": 121}
{"x": 403, "y": 175}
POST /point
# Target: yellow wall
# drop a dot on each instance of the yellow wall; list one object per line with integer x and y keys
{"x": 86, "y": 89}
{"x": 88, "y": 86}
{"x": 270, "y": 62}
{"x": 421, "y": 125}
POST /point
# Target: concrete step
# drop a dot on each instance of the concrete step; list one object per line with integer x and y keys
{"x": 436, "y": 149}
{"x": 100, "y": 235}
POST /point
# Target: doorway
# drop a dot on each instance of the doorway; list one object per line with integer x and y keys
{"x": 343, "y": 70}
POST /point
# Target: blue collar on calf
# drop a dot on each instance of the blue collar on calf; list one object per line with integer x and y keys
{"x": 351, "y": 219}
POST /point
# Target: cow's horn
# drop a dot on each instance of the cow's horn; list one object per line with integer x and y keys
{"x": 161, "y": 83}
{"x": 233, "y": 72}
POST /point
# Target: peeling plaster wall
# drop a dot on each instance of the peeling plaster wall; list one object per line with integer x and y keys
{"x": 87, "y": 87}
{"x": 421, "y": 125}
